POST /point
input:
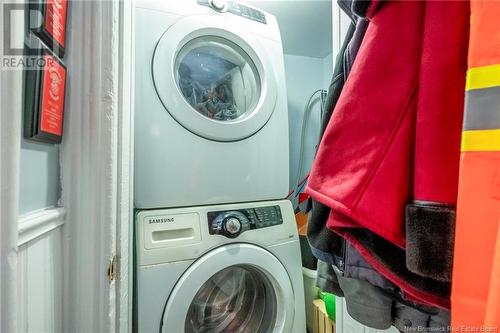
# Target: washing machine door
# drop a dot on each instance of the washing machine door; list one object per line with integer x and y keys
{"x": 215, "y": 81}
{"x": 234, "y": 288}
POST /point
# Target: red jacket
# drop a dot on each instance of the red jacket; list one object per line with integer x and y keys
{"x": 388, "y": 161}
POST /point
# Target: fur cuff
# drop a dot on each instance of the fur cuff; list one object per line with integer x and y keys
{"x": 430, "y": 233}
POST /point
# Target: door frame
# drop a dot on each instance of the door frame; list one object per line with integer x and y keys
{"x": 11, "y": 106}
{"x": 97, "y": 168}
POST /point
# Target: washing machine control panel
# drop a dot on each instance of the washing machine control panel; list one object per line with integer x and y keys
{"x": 236, "y": 9}
{"x": 231, "y": 223}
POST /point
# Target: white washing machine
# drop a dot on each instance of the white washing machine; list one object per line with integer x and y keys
{"x": 226, "y": 268}
{"x": 211, "y": 122}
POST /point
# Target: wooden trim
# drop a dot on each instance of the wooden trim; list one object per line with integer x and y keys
{"x": 125, "y": 216}
{"x": 36, "y": 224}
{"x": 95, "y": 188}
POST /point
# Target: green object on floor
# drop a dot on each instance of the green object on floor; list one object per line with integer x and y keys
{"x": 329, "y": 300}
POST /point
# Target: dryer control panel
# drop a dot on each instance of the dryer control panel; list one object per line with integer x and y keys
{"x": 236, "y": 9}
{"x": 231, "y": 223}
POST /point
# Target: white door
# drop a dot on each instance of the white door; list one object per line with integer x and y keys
{"x": 234, "y": 288}
{"x": 214, "y": 81}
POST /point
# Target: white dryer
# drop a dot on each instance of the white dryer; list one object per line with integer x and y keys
{"x": 228, "y": 268}
{"x": 211, "y": 123}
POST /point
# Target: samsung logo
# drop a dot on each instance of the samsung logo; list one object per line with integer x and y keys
{"x": 161, "y": 220}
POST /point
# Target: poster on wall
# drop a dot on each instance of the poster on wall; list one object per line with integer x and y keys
{"x": 50, "y": 23}
{"x": 45, "y": 89}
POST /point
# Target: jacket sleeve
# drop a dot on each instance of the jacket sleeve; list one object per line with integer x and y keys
{"x": 430, "y": 218}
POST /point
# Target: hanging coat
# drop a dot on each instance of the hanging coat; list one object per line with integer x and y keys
{"x": 326, "y": 244}
{"x": 369, "y": 168}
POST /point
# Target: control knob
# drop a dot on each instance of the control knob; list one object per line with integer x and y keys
{"x": 218, "y": 5}
{"x": 232, "y": 226}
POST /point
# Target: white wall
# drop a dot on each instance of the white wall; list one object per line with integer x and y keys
{"x": 304, "y": 75}
{"x": 327, "y": 70}
{"x": 40, "y": 284}
{"x": 305, "y": 25}
{"x": 39, "y": 179}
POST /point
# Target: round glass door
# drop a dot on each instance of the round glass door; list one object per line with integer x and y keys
{"x": 234, "y": 288}
{"x": 237, "y": 299}
{"x": 217, "y": 78}
{"x": 216, "y": 84}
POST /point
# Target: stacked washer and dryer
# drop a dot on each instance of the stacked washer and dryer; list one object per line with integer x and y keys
{"x": 216, "y": 245}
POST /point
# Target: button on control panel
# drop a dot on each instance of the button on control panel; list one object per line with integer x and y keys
{"x": 231, "y": 223}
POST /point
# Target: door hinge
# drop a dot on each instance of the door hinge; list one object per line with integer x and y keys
{"x": 112, "y": 269}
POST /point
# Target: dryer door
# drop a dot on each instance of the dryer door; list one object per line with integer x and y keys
{"x": 214, "y": 82}
{"x": 234, "y": 288}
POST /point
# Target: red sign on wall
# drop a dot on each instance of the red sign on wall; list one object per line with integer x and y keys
{"x": 54, "y": 80}
{"x": 52, "y": 28}
{"x": 45, "y": 90}
{"x": 55, "y": 19}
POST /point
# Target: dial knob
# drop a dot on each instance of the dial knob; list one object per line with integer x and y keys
{"x": 232, "y": 226}
{"x": 219, "y": 5}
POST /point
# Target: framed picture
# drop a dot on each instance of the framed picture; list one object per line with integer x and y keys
{"x": 44, "y": 97}
{"x": 49, "y": 21}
